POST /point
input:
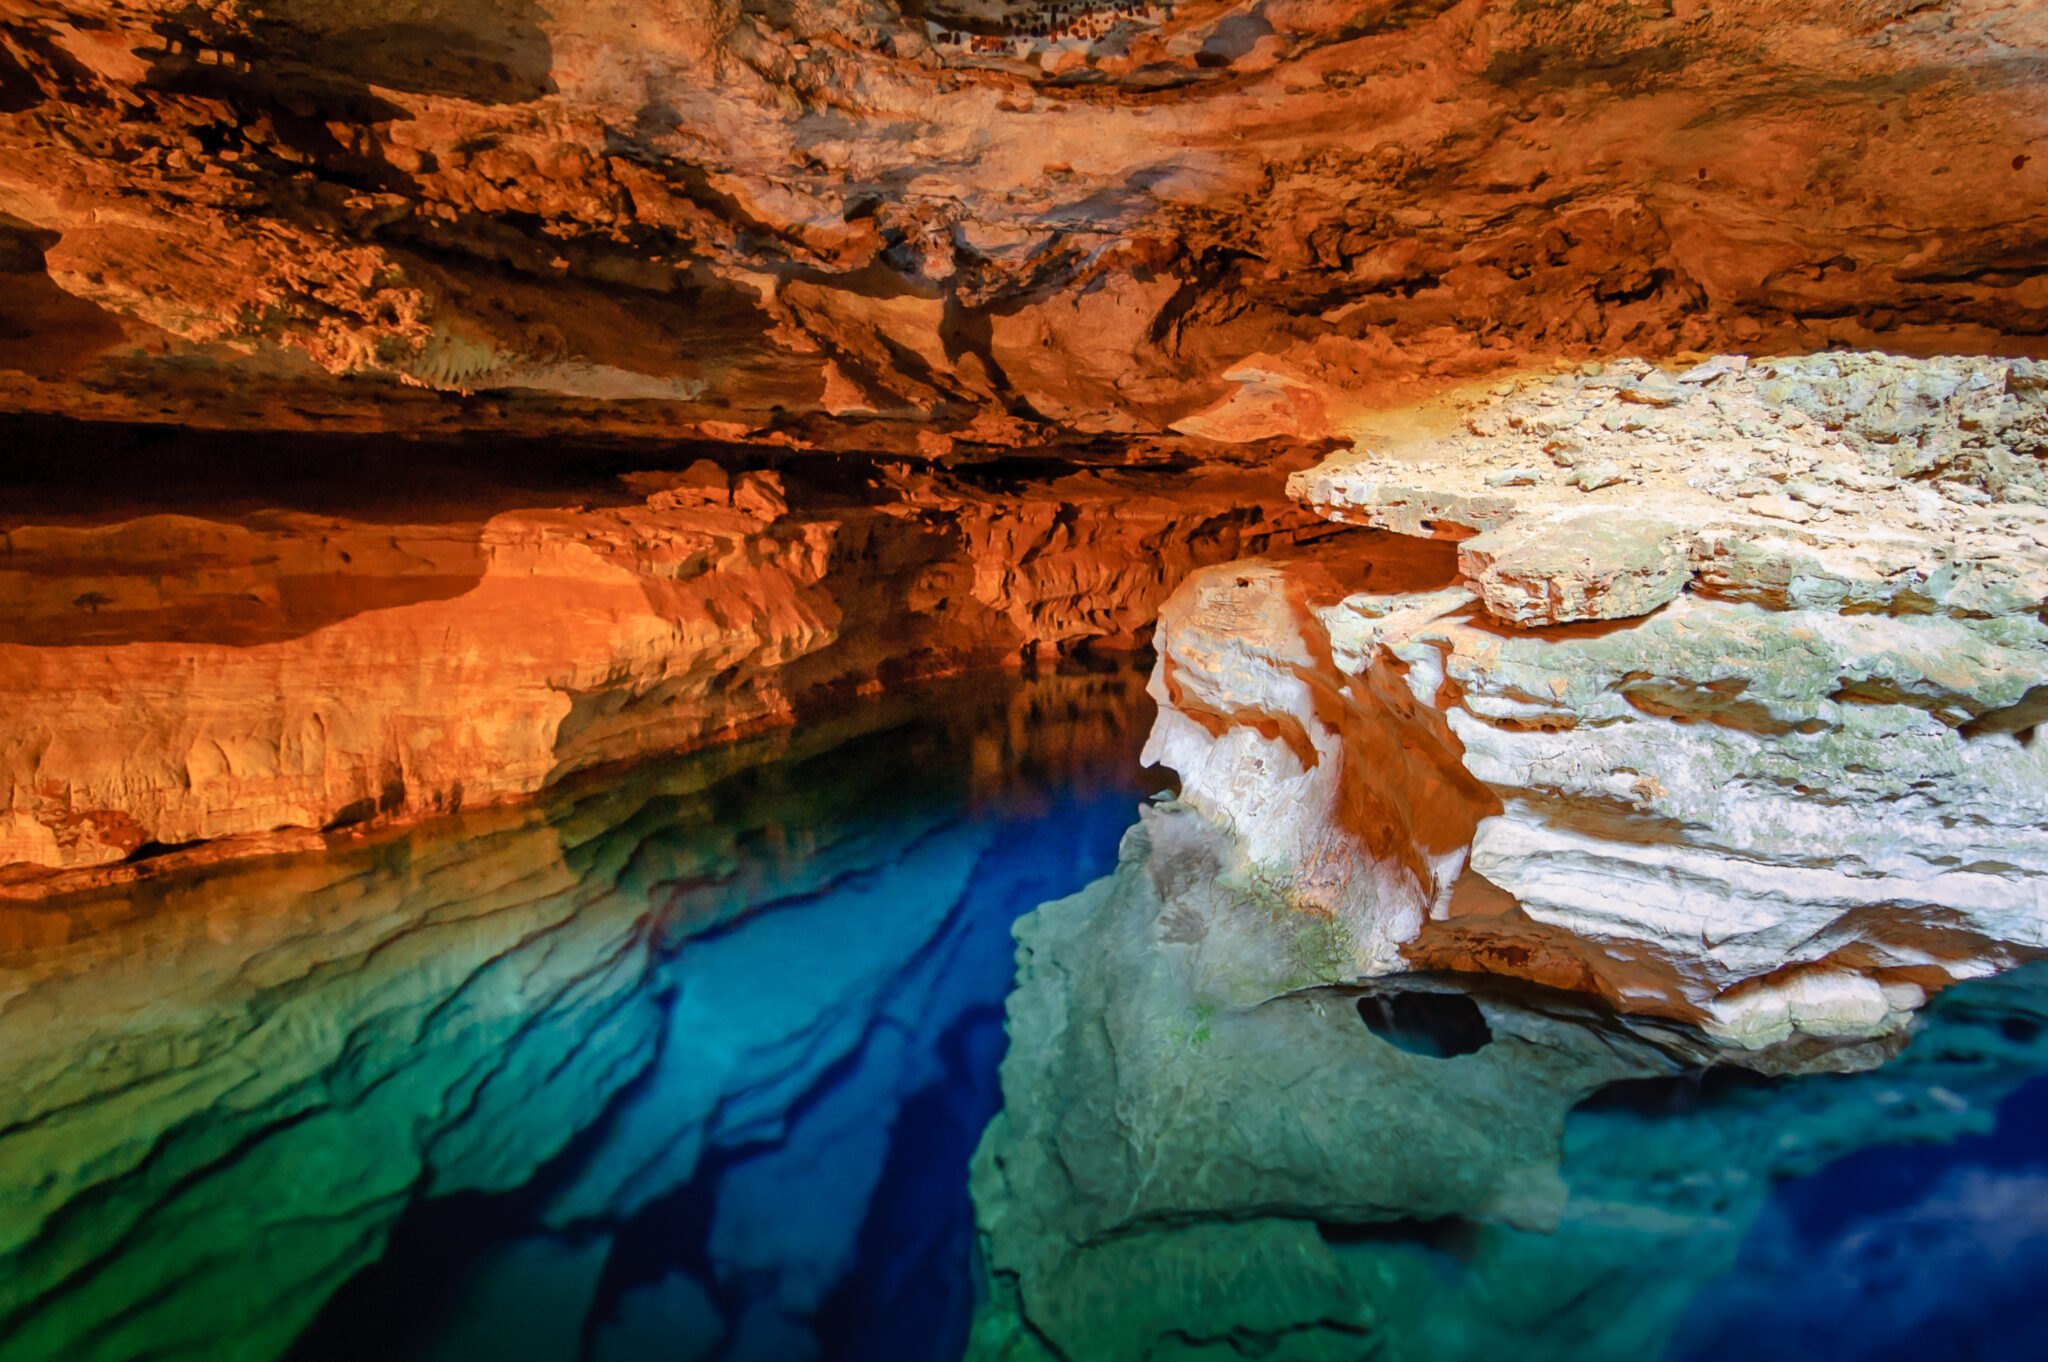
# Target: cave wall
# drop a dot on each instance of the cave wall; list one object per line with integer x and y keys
{"x": 250, "y": 681}
{"x": 1719, "y": 696}
{"x": 999, "y": 320}
{"x": 1013, "y": 221}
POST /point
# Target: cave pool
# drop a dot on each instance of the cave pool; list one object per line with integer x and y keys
{"x": 689, "y": 1062}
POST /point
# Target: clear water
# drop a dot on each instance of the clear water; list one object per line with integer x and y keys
{"x": 1896, "y": 1214}
{"x": 1935, "y": 1248}
{"x": 689, "y": 1061}
{"x": 685, "y": 1061}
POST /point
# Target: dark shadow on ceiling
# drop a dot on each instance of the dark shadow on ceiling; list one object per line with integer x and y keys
{"x": 483, "y": 51}
{"x": 44, "y": 331}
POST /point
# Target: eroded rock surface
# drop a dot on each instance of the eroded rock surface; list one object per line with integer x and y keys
{"x": 1850, "y": 482}
{"x": 1740, "y": 730}
{"x": 176, "y": 679}
{"x": 1074, "y": 217}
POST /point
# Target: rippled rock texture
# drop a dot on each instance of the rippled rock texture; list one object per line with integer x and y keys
{"x": 178, "y": 678}
{"x": 1009, "y": 220}
{"x": 1410, "y": 1171}
{"x": 1721, "y": 700}
{"x": 625, "y": 1032}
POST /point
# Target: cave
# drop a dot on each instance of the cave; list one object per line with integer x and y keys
{"x": 761, "y": 680}
{"x": 1433, "y": 1025}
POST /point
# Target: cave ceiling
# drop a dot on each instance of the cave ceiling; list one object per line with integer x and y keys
{"x": 983, "y": 220}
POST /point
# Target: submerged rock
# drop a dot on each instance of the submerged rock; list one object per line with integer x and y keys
{"x": 1179, "y": 1174}
{"x": 639, "y": 1050}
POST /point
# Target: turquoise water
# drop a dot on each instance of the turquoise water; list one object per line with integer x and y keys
{"x": 1933, "y": 1248}
{"x": 690, "y": 1062}
{"x": 685, "y": 1061}
{"x": 1484, "y": 1170}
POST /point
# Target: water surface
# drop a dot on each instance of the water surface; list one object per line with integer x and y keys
{"x": 689, "y": 1061}
{"x": 685, "y": 1061}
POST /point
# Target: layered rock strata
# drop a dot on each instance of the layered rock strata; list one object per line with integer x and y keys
{"x": 175, "y": 679}
{"x": 223, "y": 1092}
{"x": 1726, "y": 710}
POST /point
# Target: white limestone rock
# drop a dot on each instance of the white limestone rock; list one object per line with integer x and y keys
{"x": 1272, "y": 739}
{"x": 1578, "y": 565}
{"x": 1841, "y": 479}
{"x": 1775, "y": 779}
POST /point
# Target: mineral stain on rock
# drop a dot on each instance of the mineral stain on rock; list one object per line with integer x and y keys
{"x": 1775, "y": 781}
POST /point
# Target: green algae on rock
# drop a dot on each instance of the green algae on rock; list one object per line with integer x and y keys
{"x": 1175, "y": 1176}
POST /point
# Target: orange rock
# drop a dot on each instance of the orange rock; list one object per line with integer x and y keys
{"x": 684, "y": 220}
{"x": 175, "y": 679}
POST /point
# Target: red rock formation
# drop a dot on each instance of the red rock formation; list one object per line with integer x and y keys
{"x": 172, "y": 679}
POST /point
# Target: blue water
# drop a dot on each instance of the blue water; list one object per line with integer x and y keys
{"x": 838, "y": 1041}
{"x": 1902, "y": 1253}
{"x": 687, "y": 1063}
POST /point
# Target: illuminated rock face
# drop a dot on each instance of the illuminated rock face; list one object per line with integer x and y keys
{"x": 940, "y": 235}
{"x": 470, "y": 698}
{"x": 1740, "y": 732}
{"x": 175, "y": 679}
{"x": 981, "y": 219}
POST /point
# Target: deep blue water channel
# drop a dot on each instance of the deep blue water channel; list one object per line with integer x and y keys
{"x": 846, "y": 965}
{"x": 687, "y": 1062}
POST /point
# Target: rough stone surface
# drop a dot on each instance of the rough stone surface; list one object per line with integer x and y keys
{"x": 1347, "y": 795}
{"x": 1770, "y": 778}
{"x": 174, "y": 678}
{"x": 1611, "y": 564}
{"x": 1852, "y": 481}
{"x": 729, "y": 219}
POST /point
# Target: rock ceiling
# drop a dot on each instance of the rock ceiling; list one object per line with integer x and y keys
{"x": 981, "y": 220}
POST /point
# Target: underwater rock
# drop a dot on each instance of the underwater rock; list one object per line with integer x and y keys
{"x": 1178, "y": 1173}
{"x": 674, "y": 1317}
{"x": 1774, "y": 780}
{"x": 525, "y": 1302}
{"x": 709, "y": 982}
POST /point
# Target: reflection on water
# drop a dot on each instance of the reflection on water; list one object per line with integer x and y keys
{"x": 683, "y": 1063}
{"x": 688, "y": 1063}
